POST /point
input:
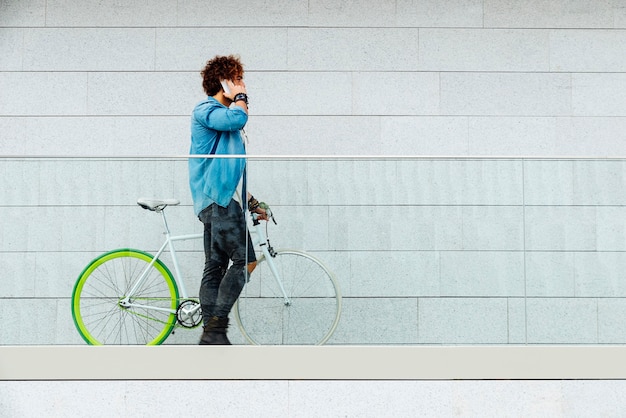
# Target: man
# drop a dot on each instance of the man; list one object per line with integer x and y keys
{"x": 215, "y": 129}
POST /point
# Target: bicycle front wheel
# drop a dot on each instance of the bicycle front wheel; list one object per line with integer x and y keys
{"x": 300, "y": 305}
{"x": 101, "y": 312}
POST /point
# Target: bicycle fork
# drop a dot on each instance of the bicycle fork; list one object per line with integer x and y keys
{"x": 270, "y": 254}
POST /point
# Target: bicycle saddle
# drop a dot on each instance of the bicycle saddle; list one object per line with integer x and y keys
{"x": 156, "y": 204}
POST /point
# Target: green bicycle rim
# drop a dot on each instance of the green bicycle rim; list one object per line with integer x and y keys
{"x": 124, "y": 252}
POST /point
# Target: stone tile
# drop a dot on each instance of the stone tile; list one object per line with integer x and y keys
{"x": 11, "y": 46}
{"x": 109, "y": 13}
{"x": 265, "y": 48}
{"x": 598, "y": 94}
{"x": 519, "y": 136}
{"x": 43, "y": 93}
{"x": 562, "y": 320}
{"x": 23, "y": 13}
{"x": 360, "y": 13}
{"x": 506, "y": 94}
{"x": 89, "y": 49}
{"x": 143, "y": 94}
{"x": 483, "y": 50}
{"x": 550, "y": 274}
{"x": 377, "y": 321}
{"x": 611, "y": 322}
{"x": 599, "y": 274}
{"x": 482, "y": 274}
{"x": 414, "y": 93}
{"x": 424, "y": 135}
{"x": 395, "y": 274}
{"x": 517, "y": 320}
{"x": 493, "y": 228}
{"x": 588, "y": 50}
{"x": 268, "y": 90}
{"x": 548, "y": 14}
{"x": 249, "y": 13}
{"x": 433, "y": 13}
{"x": 572, "y": 228}
{"x": 357, "y": 49}
{"x": 463, "y": 321}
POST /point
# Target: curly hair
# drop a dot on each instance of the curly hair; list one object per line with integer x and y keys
{"x": 220, "y": 68}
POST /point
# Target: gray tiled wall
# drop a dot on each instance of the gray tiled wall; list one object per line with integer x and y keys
{"x": 427, "y": 251}
{"x": 473, "y": 251}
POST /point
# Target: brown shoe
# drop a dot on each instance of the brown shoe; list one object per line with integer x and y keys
{"x": 215, "y": 332}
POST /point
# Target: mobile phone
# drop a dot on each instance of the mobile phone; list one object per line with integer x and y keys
{"x": 225, "y": 86}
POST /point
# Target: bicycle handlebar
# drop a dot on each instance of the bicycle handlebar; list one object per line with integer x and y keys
{"x": 268, "y": 211}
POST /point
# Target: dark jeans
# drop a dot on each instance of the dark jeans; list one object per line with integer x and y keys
{"x": 225, "y": 239}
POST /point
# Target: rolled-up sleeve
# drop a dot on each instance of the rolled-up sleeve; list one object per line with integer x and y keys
{"x": 221, "y": 118}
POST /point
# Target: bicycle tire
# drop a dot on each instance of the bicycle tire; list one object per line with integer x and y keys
{"x": 315, "y": 302}
{"x": 97, "y": 313}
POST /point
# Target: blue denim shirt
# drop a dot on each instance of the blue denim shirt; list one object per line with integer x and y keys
{"x": 215, "y": 179}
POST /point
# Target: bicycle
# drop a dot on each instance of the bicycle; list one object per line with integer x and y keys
{"x": 128, "y": 296}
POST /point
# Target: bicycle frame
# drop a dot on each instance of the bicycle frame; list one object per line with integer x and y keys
{"x": 259, "y": 239}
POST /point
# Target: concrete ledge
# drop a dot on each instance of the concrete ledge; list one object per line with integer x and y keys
{"x": 311, "y": 363}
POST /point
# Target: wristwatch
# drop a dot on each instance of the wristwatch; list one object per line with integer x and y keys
{"x": 241, "y": 96}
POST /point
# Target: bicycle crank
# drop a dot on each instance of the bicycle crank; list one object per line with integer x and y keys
{"x": 189, "y": 314}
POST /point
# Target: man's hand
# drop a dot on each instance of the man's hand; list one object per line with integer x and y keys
{"x": 260, "y": 208}
{"x": 235, "y": 89}
{"x": 262, "y": 214}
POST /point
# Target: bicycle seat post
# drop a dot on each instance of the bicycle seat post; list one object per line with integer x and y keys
{"x": 165, "y": 225}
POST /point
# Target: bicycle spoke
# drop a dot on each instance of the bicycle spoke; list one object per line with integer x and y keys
{"x": 314, "y": 302}
{"x": 103, "y": 310}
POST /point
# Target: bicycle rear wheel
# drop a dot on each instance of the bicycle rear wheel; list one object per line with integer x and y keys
{"x": 100, "y": 317}
{"x": 309, "y": 313}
